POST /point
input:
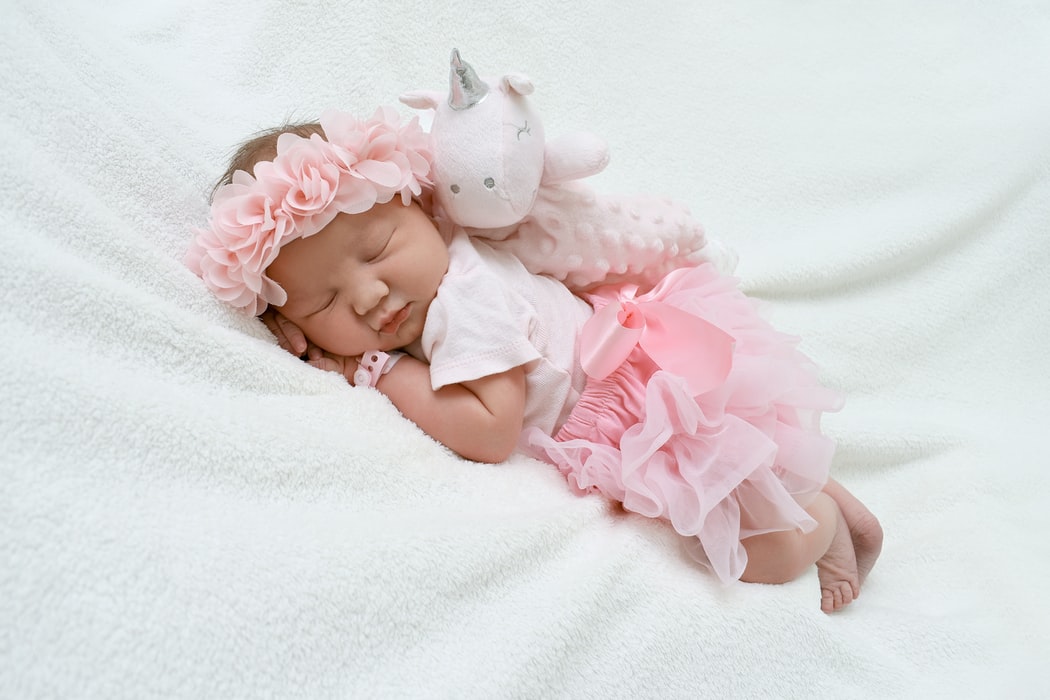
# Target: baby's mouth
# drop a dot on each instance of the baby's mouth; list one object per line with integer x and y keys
{"x": 391, "y": 327}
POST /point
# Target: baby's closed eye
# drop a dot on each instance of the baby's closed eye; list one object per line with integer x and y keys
{"x": 379, "y": 247}
{"x": 326, "y": 303}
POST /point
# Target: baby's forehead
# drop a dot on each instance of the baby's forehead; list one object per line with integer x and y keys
{"x": 304, "y": 267}
{"x": 300, "y": 264}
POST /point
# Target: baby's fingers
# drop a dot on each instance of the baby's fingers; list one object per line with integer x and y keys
{"x": 327, "y": 364}
{"x": 280, "y": 327}
{"x": 295, "y": 340}
{"x": 313, "y": 352}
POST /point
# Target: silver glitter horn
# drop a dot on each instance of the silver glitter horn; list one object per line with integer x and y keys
{"x": 466, "y": 89}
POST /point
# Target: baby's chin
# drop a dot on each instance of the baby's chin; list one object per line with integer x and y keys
{"x": 409, "y": 332}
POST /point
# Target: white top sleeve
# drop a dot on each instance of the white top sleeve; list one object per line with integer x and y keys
{"x": 491, "y": 315}
{"x": 477, "y": 325}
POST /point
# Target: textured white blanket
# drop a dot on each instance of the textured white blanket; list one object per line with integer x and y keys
{"x": 187, "y": 511}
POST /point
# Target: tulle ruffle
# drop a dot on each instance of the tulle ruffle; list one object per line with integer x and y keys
{"x": 739, "y": 460}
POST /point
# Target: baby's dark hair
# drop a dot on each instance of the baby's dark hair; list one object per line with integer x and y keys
{"x": 263, "y": 146}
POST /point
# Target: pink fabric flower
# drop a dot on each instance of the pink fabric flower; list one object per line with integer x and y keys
{"x": 305, "y": 168}
{"x": 358, "y": 164}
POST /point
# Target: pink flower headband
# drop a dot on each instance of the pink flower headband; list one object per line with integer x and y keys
{"x": 357, "y": 165}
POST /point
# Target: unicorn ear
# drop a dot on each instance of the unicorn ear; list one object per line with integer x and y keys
{"x": 422, "y": 99}
{"x": 518, "y": 83}
{"x": 465, "y": 88}
{"x": 573, "y": 156}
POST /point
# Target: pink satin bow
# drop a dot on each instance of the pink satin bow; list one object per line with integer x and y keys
{"x": 676, "y": 340}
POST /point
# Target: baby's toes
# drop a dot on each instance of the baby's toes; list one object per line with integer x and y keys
{"x": 848, "y": 593}
{"x": 828, "y": 604}
{"x": 836, "y": 596}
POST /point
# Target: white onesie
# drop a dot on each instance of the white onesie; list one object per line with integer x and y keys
{"x": 491, "y": 315}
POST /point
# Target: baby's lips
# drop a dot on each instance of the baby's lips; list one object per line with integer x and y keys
{"x": 391, "y": 326}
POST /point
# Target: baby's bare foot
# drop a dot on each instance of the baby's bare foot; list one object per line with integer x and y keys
{"x": 837, "y": 571}
{"x": 864, "y": 527}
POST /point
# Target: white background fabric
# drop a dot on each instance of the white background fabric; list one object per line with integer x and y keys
{"x": 187, "y": 511}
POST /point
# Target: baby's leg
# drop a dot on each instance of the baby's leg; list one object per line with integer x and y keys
{"x": 837, "y": 569}
{"x": 778, "y": 557}
{"x": 864, "y": 527}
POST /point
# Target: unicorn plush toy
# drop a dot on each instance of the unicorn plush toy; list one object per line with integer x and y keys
{"x": 497, "y": 175}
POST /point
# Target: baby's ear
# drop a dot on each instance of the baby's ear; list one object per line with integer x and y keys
{"x": 421, "y": 99}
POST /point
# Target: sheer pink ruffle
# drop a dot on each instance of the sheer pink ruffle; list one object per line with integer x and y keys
{"x": 738, "y": 460}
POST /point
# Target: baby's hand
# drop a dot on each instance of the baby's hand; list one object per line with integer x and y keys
{"x": 290, "y": 336}
{"x": 342, "y": 364}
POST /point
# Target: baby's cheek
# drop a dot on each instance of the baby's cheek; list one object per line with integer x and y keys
{"x": 413, "y": 330}
{"x": 344, "y": 334}
{"x": 318, "y": 334}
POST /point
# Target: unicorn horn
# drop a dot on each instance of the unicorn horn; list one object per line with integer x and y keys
{"x": 466, "y": 89}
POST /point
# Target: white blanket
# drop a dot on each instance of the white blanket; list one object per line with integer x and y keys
{"x": 188, "y": 511}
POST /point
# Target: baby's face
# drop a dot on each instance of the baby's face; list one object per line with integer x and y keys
{"x": 365, "y": 281}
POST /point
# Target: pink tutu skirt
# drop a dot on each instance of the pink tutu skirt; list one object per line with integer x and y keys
{"x": 738, "y": 460}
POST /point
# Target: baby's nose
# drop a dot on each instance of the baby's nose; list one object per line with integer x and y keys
{"x": 368, "y": 296}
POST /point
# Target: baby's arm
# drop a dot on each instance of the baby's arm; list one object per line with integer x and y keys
{"x": 480, "y": 419}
